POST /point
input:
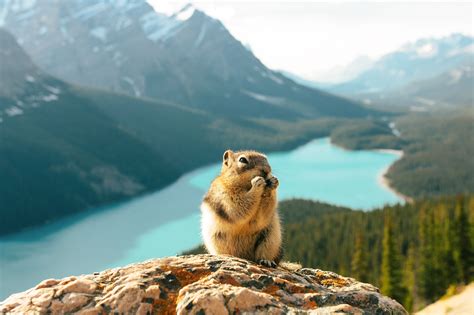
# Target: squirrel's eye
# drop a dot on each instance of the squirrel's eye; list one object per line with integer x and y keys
{"x": 243, "y": 160}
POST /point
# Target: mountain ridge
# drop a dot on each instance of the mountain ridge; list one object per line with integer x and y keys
{"x": 187, "y": 58}
{"x": 415, "y": 61}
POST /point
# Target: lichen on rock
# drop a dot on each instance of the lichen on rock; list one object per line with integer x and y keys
{"x": 202, "y": 284}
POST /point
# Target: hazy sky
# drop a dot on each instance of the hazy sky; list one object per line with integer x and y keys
{"x": 312, "y": 38}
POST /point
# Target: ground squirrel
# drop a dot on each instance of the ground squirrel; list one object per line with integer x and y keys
{"x": 239, "y": 212}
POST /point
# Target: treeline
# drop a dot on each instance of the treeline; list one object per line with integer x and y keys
{"x": 413, "y": 252}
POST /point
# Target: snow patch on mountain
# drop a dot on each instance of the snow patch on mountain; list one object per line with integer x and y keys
{"x": 25, "y": 15}
{"x": 201, "y": 35}
{"x": 270, "y": 75}
{"x": 461, "y": 50}
{"x": 425, "y": 101}
{"x": 185, "y": 13}
{"x": 427, "y": 50}
{"x": 122, "y": 23}
{"x": 275, "y": 78}
{"x": 455, "y": 75}
{"x": 29, "y": 78}
{"x": 394, "y": 129}
{"x": 265, "y": 98}
{"x": 119, "y": 58}
{"x": 4, "y": 9}
{"x": 158, "y": 26}
{"x": 53, "y": 89}
{"x": 13, "y": 111}
{"x": 100, "y": 33}
{"x": 126, "y": 5}
{"x": 90, "y": 11}
{"x": 50, "y": 98}
{"x": 132, "y": 84}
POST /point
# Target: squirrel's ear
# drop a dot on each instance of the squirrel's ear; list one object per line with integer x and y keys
{"x": 226, "y": 157}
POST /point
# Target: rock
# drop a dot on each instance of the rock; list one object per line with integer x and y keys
{"x": 202, "y": 284}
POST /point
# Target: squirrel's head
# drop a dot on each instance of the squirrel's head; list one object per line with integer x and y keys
{"x": 245, "y": 165}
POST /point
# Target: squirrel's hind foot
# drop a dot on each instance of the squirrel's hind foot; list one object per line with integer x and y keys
{"x": 267, "y": 263}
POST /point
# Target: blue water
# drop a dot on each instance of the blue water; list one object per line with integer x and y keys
{"x": 319, "y": 170}
{"x": 166, "y": 222}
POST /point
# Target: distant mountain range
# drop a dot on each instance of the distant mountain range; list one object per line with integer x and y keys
{"x": 187, "y": 58}
{"x": 450, "y": 89}
{"x": 422, "y": 60}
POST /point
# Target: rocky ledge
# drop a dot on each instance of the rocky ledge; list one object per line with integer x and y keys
{"x": 202, "y": 284}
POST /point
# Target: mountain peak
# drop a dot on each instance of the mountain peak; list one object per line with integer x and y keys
{"x": 16, "y": 65}
{"x": 185, "y": 12}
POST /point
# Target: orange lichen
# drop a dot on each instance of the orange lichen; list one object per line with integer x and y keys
{"x": 271, "y": 289}
{"x": 310, "y": 304}
{"x": 334, "y": 282}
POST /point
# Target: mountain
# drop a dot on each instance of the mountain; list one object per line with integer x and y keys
{"x": 59, "y": 153}
{"x": 187, "y": 58}
{"x": 424, "y": 59}
{"x": 453, "y": 88}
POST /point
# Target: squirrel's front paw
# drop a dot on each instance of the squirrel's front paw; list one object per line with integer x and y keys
{"x": 272, "y": 182}
{"x": 258, "y": 181}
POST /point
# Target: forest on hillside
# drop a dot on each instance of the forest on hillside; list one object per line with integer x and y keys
{"x": 414, "y": 253}
{"x": 437, "y": 157}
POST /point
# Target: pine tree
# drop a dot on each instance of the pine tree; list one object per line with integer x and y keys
{"x": 463, "y": 250}
{"x": 426, "y": 267}
{"x": 410, "y": 279}
{"x": 391, "y": 273}
{"x": 359, "y": 264}
{"x": 452, "y": 270}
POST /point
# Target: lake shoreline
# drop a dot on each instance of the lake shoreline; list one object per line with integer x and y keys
{"x": 382, "y": 179}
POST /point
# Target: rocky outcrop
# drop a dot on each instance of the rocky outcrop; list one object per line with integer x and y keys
{"x": 202, "y": 284}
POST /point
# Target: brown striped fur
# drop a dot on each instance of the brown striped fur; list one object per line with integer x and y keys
{"x": 239, "y": 215}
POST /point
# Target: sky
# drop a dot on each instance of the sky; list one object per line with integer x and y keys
{"x": 319, "y": 40}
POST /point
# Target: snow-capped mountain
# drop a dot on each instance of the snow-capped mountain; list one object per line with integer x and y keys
{"x": 423, "y": 59}
{"x": 187, "y": 58}
{"x": 97, "y": 43}
{"x": 452, "y": 88}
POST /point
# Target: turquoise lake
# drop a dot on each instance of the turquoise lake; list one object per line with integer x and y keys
{"x": 166, "y": 222}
